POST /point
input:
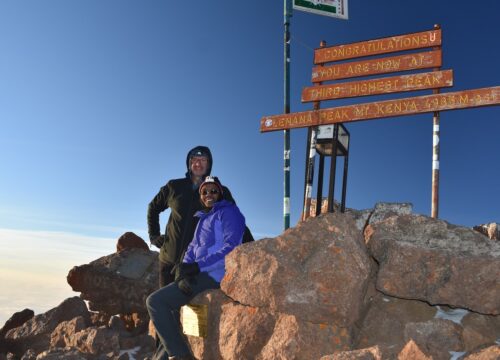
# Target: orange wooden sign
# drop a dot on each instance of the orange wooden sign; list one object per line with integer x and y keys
{"x": 387, "y": 85}
{"x": 382, "y": 109}
{"x": 378, "y": 46}
{"x": 423, "y": 60}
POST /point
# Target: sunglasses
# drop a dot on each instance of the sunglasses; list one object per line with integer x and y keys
{"x": 206, "y": 192}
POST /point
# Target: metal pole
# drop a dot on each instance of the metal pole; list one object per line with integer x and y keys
{"x": 435, "y": 166}
{"x": 344, "y": 180}
{"x": 286, "y": 154}
{"x": 310, "y": 173}
{"x": 319, "y": 191}
{"x": 310, "y": 157}
{"x": 306, "y": 169}
{"x": 333, "y": 167}
{"x": 435, "y": 155}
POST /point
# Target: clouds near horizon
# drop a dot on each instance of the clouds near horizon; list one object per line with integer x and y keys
{"x": 34, "y": 266}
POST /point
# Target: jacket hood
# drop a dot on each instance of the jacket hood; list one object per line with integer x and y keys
{"x": 204, "y": 151}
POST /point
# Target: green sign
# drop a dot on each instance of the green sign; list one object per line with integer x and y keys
{"x": 334, "y": 8}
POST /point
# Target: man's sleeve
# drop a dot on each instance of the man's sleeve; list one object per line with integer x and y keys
{"x": 247, "y": 236}
{"x": 189, "y": 255}
{"x": 227, "y": 195}
{"x": 155, "y": 207}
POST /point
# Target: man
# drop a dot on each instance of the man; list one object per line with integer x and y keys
{"x": 181, "y": 196}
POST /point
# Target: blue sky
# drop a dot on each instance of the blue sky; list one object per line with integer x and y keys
{"x": 100, "y": 101}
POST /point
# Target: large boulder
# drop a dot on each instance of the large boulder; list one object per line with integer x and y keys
{"x": 208, "y": 347}
{"x": 118, "y": 283}
{"x": 480, "y": 330}
{"x": 411, "y": 351}
{"x": 383, "y": 210}
{"x": 386, "y": 319}
{"x": 136, "y": 323}
{"x": 487, "y": 353}
{"x": 237, "y": 331}
{"x": 16, "y": 320}
{"x": 436, "y": 337}
{"x": 30, "y": 354}
{"x": 245, "y": 330}
{"x": 62, "y": 353}
{"x": 318, "y": 271}
{"x": 295, "y": 339}
{"x": 35, "y": 333}
{"x": 65, "y": 331}
{"x": 431, "y": 260}
{"x": 96, "y": 341}
{"x": 129, "y": 240}
{"x": 391, "y": 323}
{"x": 371, "y": 353}
{"x": 380, "y": 212}
{"x": 360, "y": 217}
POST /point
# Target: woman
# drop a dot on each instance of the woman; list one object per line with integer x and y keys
{"x": 220, "y": 229}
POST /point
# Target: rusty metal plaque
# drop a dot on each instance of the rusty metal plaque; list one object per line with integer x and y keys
{"x": 194, "y": 319}
{"x": 378, "y": 46}
{"x": 383, "y": 109}
{"x": 423, "y": 60}
{"x": 387, "y": 85}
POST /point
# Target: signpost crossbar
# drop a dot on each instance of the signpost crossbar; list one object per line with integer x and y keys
{"x": 383, "y": 109}
{"x": 386, "y": 85}
{"x": 391, "y": 44}
{"x": 387, "y": 64}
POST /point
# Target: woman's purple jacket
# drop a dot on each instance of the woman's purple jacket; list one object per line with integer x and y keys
{"x": 218, "y": 232}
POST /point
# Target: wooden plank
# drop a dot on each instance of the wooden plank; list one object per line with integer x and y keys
{"x": 387, "y": 85}
{"x": 194, "y": 319}
{"x": 423, "y": 60}
{"x": 383, "y": 109}
{"x": 378, "y": 46}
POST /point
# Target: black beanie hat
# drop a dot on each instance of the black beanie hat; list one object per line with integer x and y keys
{"x": 199, "y": 151}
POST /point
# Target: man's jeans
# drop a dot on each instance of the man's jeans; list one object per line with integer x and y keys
{"x": 164, "y": 304}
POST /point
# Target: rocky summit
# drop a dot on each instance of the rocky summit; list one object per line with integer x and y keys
{"x": 380, "y": 283}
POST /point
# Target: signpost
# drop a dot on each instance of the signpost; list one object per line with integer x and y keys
{"x": 349, "y": 68}
{"x": 383, "y": 109}
{"x": 334, "y": 8}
